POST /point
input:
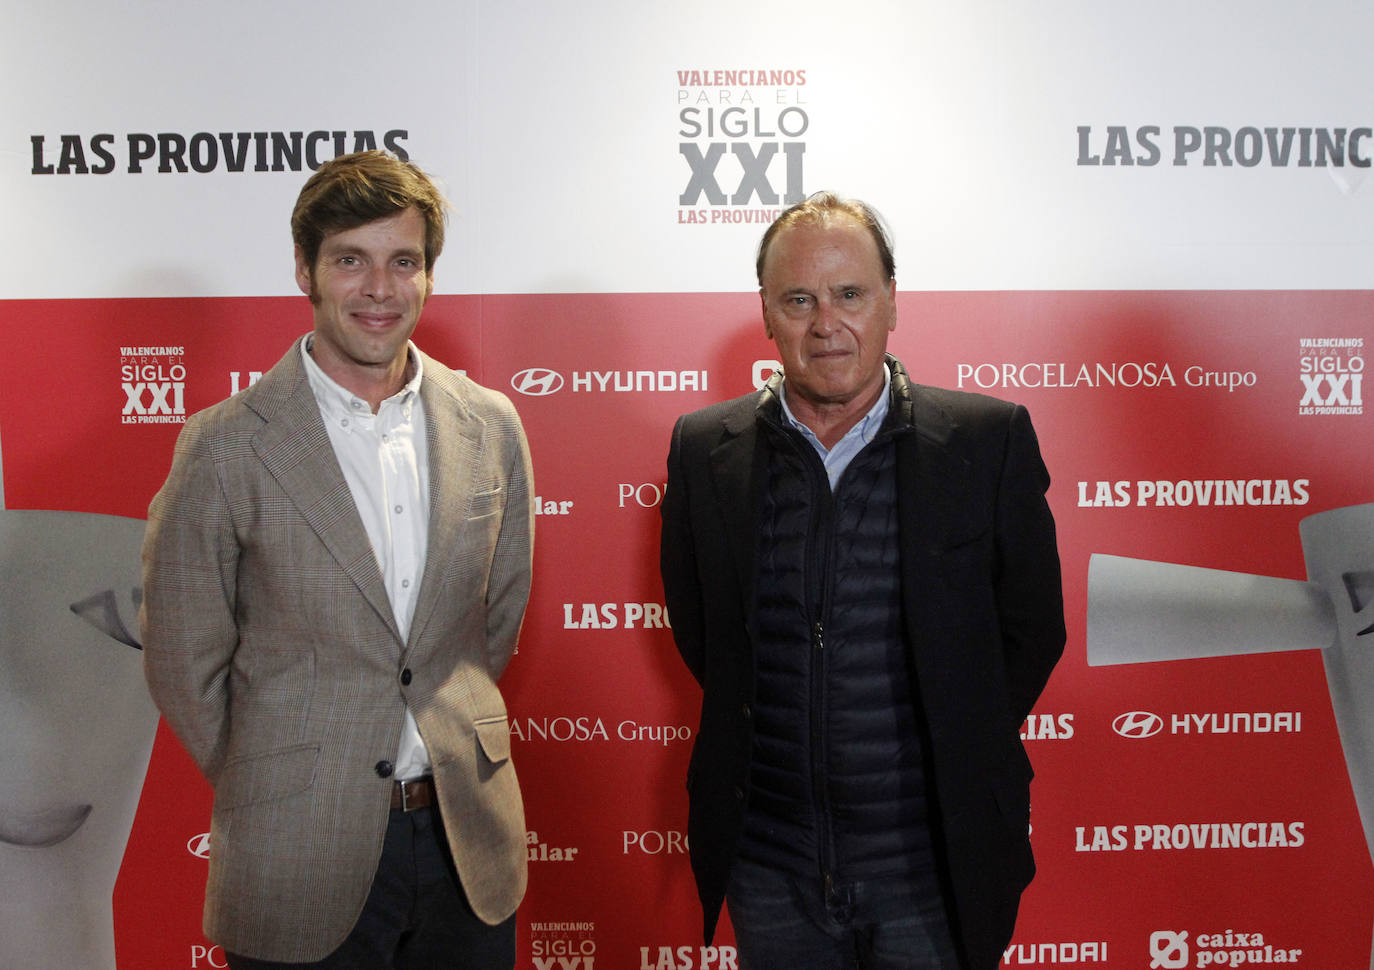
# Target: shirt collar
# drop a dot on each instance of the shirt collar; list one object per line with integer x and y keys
{"x": 337, "y": 401}
{"x": 867, "y": 427}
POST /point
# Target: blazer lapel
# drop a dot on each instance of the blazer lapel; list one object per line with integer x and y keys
{"x": 737, "y": 465}
{"x": 932, "y": 486}
{"x": 295, "y": 450}
{"x": 456, "y": 438}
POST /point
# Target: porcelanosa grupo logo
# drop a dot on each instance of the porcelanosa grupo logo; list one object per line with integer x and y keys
{"x": 740, "y": 137}
{"x": 1331, "y": 372}
{"x": 154, "y": 383}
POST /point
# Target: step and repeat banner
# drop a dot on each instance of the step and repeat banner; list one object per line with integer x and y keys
{"x": 1150, "y": 226}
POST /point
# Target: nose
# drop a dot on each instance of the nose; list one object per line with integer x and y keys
{"x": 377, "y": 282}
{"x": 825, "y": 320}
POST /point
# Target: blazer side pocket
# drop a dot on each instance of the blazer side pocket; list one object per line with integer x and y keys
{"x": 267, "y": 776}
{"x": 493, "y": 737}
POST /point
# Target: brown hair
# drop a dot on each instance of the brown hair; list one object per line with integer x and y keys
{"x": 352, "y": 190}
{"x": 820, "y": 208}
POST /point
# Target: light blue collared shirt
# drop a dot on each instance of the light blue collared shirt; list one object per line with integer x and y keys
{"x": 837, "y": 459}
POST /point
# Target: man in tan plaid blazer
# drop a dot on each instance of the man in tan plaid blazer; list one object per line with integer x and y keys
{"x": 335, "y": 574}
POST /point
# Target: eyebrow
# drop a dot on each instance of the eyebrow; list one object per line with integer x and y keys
{"x": 344, "y": 249}
{"x": 810, "y": 291}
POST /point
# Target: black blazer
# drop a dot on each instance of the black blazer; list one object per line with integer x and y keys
{"x": 982, "y": 613}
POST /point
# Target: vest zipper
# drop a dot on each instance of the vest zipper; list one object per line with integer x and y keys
{"x": 822, "y": 558}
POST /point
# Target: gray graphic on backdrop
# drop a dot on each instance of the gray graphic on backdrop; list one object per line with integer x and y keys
{"x": 1141, "y": 611}
{"x": 76, "y": 731}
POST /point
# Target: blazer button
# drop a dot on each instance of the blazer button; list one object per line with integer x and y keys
{"x": 405, "y": 677}
{"x": 746, "y": 712}
{"x": 384, "y": 769}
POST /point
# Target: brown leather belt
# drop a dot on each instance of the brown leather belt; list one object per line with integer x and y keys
{"x": 410, "y": 795}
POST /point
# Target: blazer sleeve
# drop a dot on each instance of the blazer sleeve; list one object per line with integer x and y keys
{"x": 508, "y": 584}
{"x": 682, "y": 590}
{"x": 190, "y": 562}
{"x": 1030, "y": 600}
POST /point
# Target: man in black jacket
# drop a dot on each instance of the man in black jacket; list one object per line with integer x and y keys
{"x": 862, "y": 575}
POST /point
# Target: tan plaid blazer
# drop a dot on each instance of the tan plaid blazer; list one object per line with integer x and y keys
{"x": 272, "y": 652}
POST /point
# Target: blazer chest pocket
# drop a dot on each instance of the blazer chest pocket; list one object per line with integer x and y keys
{"x": 486, "y": 501}
{"x": 966, "y": 563}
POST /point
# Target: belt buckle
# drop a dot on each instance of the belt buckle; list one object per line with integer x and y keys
{"x": 405, "y": 795}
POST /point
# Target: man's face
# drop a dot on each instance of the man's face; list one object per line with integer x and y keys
{"x": 828, "y": 308}
{"x": 368, "y": 286}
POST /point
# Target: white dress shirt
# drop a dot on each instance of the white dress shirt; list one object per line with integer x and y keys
{"x": 385, "y": 460}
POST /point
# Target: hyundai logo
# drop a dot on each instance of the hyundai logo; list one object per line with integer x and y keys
{"x": 1138, "y": 724}
{"x": 537, "y": 381}
{"x": 199, "y": 845}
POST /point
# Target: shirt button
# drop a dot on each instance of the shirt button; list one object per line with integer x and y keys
{"x": 405, "y": 677}
{"x": 384, "y": 769}
{"x": 405, "y": 584}
{"x": 398, "y": 510}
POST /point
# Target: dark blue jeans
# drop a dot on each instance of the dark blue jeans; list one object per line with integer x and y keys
{"x": 785, "y": 923}
{"x": 416, "y": 916}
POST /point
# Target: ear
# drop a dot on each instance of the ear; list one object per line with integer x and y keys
{"x": 763, "y": 310}
{"x": 892, "y": 300}
{"x": 303, "y": 278}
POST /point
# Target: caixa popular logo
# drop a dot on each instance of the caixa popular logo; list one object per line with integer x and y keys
{"x": 1138, "y": 724}
{"x": 1171, "y": 950}
{"x": 199, "y": 845}
{"x": 1168, "y": 950}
